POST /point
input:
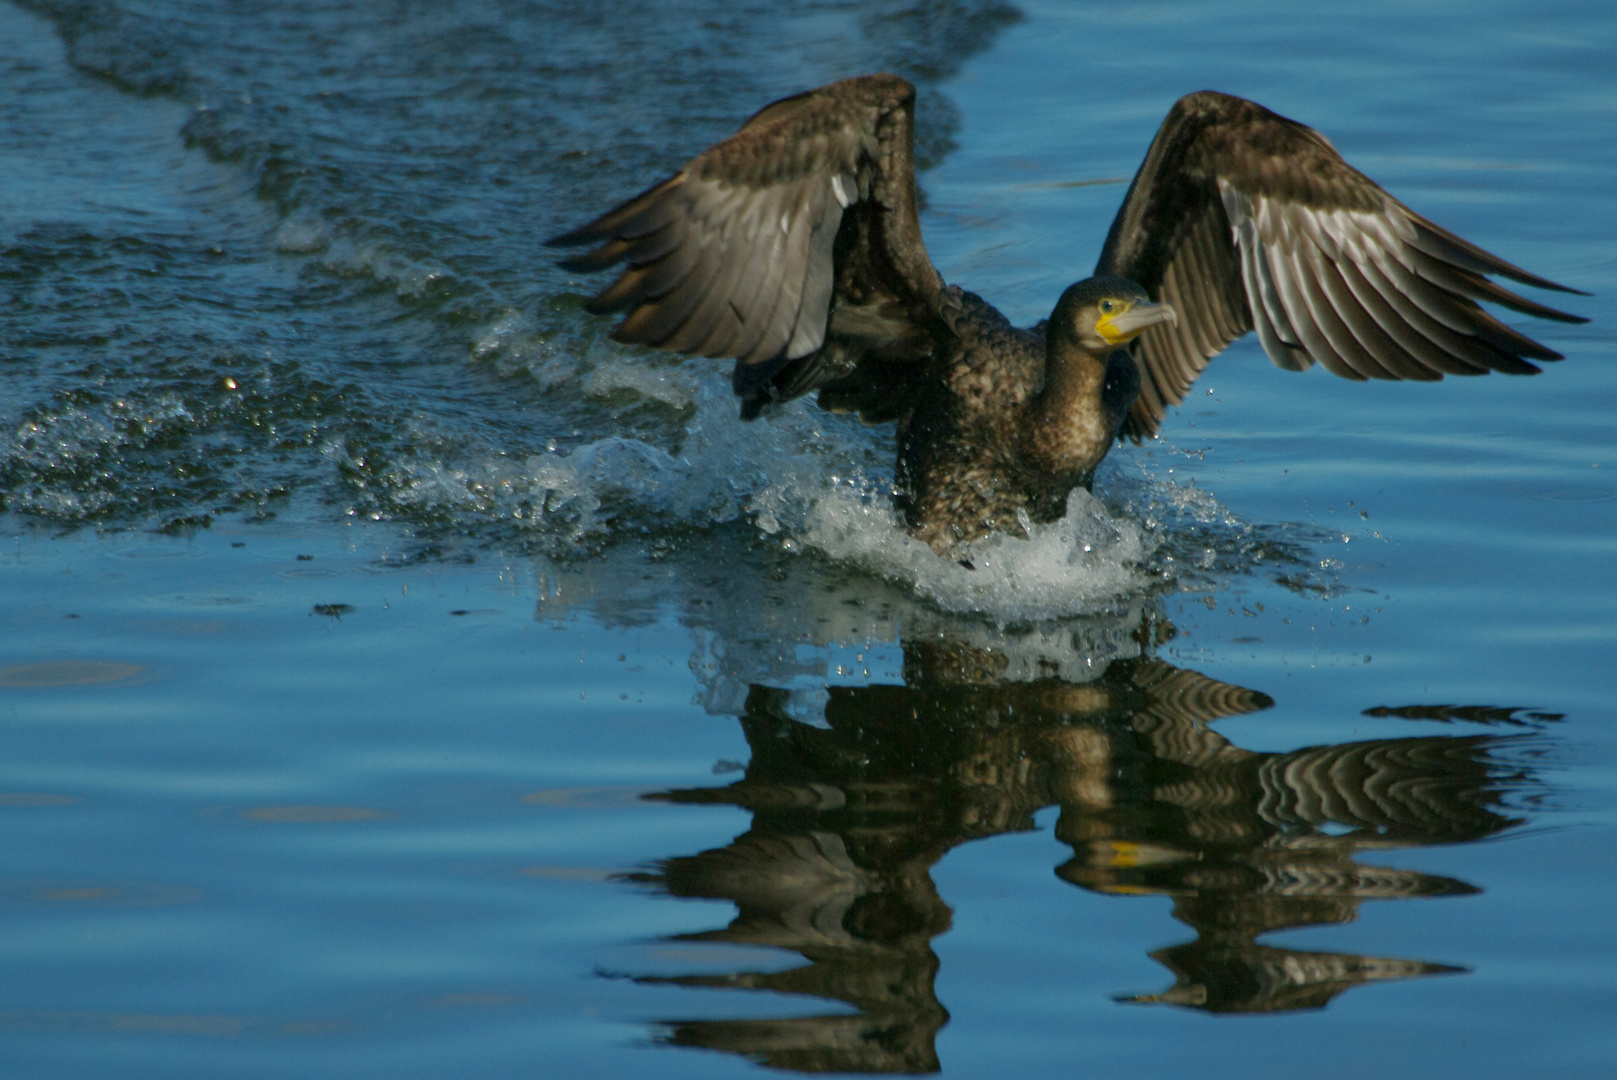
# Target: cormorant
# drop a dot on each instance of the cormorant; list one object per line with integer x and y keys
{"x": 794, "y": 247}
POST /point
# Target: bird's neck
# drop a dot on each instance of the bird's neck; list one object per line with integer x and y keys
{"x": 1070, "y": 432}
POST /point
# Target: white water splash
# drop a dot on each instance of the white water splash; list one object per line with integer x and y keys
{"x": 808, "y": 480}
{"x": 1085, "y": 559}
{"x": 822, "y": 482}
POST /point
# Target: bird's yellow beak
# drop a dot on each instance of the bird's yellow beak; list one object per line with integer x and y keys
{"x": 1128, "y": 320}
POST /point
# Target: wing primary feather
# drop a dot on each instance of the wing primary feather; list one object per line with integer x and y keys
{"x": 1275, "y": 332}
{"x": 1466, "y": 355}
{"x": 1511, "y": 343}
{"x": 1440, "y": 243}
{"x": 1157, "y": 359}
{"x": 726, "y": 326}
{"x": 663, "y": 276}
{"x": 1305, "y": 220}
{"x": 666, "y": 322}
{"x": 656, "y": 279}
{"x": 1503, "y": 345}
{"x": 1185, "y": 360}
{"x": 675, "y": 296}
{"x": 715, "y": 215}
{"x": 809, "y": 274}
{"x": 621, "y": 219}
{"x": 845, "y": 188}
{"x": 1265, "y": 264}
{"x": 1468, "y": 283}
{"x": 1426, "y": 362}
{"x": 1394, "y": 360}
{"x": 1205, "y": 281}
{"x": 650, "y": 247}
{"x": 1498, "y": 294}
{"x": 1440, "y": 306}
{"x": 789, "y": 299}
{"x": 622, "y": 293}
{"x": 599, "y": 259}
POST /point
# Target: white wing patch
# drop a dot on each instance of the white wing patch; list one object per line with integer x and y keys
{"x": 845, "y": 189}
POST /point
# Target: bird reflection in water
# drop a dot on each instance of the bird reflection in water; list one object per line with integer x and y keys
{"x": 849, "y": 818}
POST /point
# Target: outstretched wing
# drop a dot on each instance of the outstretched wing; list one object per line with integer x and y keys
{"x": 797, "y": 230}
{"x": 1245, "y": 220}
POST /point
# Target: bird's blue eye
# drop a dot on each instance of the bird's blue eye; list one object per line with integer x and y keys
{"x": 1106, "y": 306}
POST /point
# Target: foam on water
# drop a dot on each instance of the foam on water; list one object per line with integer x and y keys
{"x": 368, "y": 256}
{"x": 806, "y": 479}
{"x": 1086, "y": 558}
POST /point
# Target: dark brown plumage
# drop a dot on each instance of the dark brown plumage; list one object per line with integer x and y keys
{"x": 1246, "y": 220}
{"x": 794, "y": 247}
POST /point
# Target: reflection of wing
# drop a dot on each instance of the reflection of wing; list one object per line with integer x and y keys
{"x": 794, "y": 891}
{"x": 864, "y": 929}
{"x": 1420, "y": 790}
{"x": 1182, "y": 696}
{"x": 1246, "y": 978}
{"x": 1244, "y": 220}
{"x": 1470, "y": 714}
{"x": 1313, "y": 871}
{"x": 804, "y": 219}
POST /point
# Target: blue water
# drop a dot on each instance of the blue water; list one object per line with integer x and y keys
{"x": 397, "y": 678}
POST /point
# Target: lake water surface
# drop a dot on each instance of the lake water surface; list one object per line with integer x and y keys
{"x": 398, "y": 678}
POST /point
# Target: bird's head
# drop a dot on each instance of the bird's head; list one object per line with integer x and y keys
{"x": 1104, "y": 313}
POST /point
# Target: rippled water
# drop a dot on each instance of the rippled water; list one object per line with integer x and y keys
{"x": 398, "y": 678}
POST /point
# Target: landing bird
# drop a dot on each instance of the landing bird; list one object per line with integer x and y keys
{"x": 794, "y": 248}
